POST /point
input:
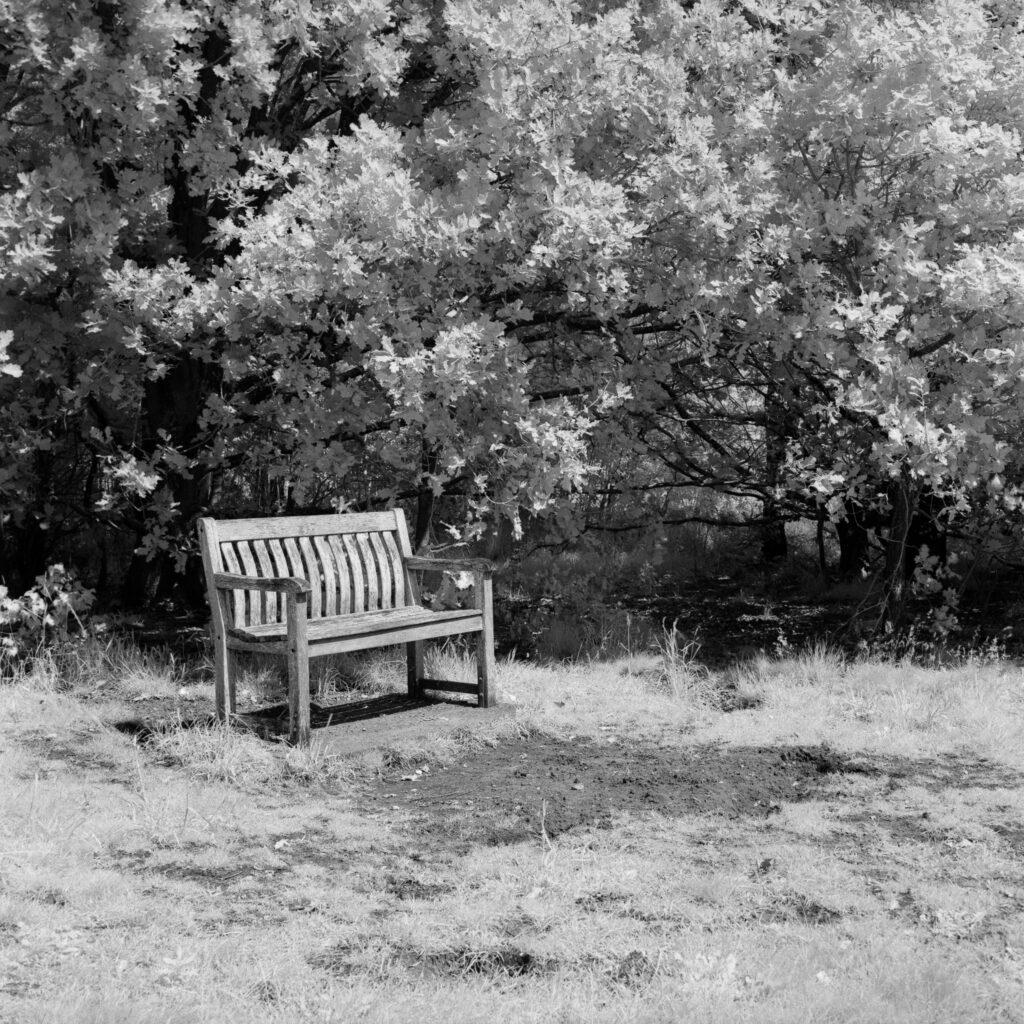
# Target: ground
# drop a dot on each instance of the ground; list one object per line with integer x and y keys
{"x": 790, "y": 840}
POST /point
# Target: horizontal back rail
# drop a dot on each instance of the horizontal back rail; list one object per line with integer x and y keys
{"x": 281, "y": 527}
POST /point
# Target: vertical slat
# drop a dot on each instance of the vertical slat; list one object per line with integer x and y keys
{"x": 280, "y": 563}
{"x": 345, "y": 585}
{"x": 227, "y": 552}
{"x": 271, "y": 611}
{"x": 370, "y": 568}
{"x": 387, "y": 582}
{"x": 314, "y": 574}
{"x": 412, "y": 592}
{"x": 325, "y": 557}
{"x": 397, "y": 571}
{"x": 250, "y": 569}
{"x": 295, "y": 566}
{"x": 355, "y": 566}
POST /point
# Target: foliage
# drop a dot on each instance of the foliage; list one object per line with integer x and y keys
{"x": 268, "y": 254}
{"x": 46, "y": 612}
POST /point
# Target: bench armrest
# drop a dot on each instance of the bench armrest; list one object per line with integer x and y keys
{"x": 480, "y": 565}
{"x": 286, "y": 584}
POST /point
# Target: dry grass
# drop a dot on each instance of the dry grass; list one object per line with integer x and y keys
{"x": 210, "y": 876}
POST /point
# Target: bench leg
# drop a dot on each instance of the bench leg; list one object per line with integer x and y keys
{"x": 225, "y": 668}
{"x": 298, "y": 671}
{"x": 414, "y": 666}
{"x": 485, "y": 647}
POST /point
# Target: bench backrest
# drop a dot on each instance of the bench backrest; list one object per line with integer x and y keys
{"x": 354, "y": 562}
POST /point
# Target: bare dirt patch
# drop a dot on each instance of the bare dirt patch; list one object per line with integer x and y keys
{"x": 516, "y": 790}
{"x": 345, "y": 959}
{"x": 523, "y": 789}
{"x": 55, "y": 751}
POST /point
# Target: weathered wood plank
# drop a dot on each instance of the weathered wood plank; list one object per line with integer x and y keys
{"x": 389, "y": 638}
{"x": 291, "y": 551}
{"x": 450, "y": 564}
{"x": 298, "y": 670}
{"x": 365, "y": 623}
{"x": 397, "y": 569}
{"x": 230, "y": 559}
{"x": 345, "y": 584}
{"x": 365, "y": 641}
{"x": 314, "y": 573}
{"x": 244, "y": 646}
{"x": 282, "y": 584}
{"x": 325, "y": 557}
{"x": 447, "y": 685}
{"x": 412, "y": 591}
{"x": 355, "y": 565}
{"x": 223, "y": 660}
{"x": 305, "y": 526}
{"x": 249, "y": 568}
{"x": 281, "y": 568}
{"x": 387, "y": 580}
{"x": 413, "y": 667}
{"x": 485, "y": 642}
{"x": 273, "y": 609}
{"x": 370, "y": 572}
{"x": 402, "y": 536}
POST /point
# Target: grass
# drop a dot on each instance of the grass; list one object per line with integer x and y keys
{"x": 208, "y": 875}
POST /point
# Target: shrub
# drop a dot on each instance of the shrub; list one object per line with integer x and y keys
{"x": 44, "y": 613}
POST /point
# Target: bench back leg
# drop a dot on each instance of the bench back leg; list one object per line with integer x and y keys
{"x": 298, "y": 671}
{"x": 225, "y": 669}
{"x": 486, "y": 697}
{"x": 414, "y": 667}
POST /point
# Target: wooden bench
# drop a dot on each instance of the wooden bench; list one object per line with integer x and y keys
{"x": 301, "y": 587}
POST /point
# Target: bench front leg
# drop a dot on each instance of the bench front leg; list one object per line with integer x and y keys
{"x": 298, "y": 670}
{"x": 224, "y": 667}
{"x": 225, "y": 663}
{"x": 486, "y": 697}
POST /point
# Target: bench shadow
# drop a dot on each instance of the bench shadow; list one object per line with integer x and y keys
{"x": 272, "y": 722}
{"x": 144, "y": 732}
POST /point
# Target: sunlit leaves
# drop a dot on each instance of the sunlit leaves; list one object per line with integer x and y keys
{"x": 457, "y": 246}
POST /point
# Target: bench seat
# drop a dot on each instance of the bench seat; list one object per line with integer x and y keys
{"x": 362, "y": 630}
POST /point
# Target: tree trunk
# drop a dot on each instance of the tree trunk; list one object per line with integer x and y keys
{"x": 174, "y": 402}
{"x": 774, "y": 547}
{"x": 425, "y": 498}
{"x": 926, "y": 532}
{"x": 173, "y": 405}
{"x": 903, "y": 497}
{"x": 24, "y": 551}
{"x": 854, "y": 548}
{"x": 819, "y": 537}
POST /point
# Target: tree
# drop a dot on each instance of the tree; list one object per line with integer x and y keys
{"x": 122, "y": 125}
{"x": 370, "y": 252}
{"x": 898, "y": 245}
{"x": 421, "y": 221}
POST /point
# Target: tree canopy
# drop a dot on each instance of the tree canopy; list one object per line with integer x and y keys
{"x": 361, "y": 251}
